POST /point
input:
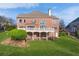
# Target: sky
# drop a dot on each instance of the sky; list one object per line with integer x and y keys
{"x": 64, "y": 11}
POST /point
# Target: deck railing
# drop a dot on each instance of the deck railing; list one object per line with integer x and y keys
{"x": 38, "y": 29}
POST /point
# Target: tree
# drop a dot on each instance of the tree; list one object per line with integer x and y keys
{"x": 6, "y": 23}
{"x": 62, "y": 25}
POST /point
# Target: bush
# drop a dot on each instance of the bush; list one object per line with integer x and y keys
{"x": 62, "y": 33}
{"x": 18, "y": 34}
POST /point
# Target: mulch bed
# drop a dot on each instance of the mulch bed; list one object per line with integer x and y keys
{"x": 16, "y": 43}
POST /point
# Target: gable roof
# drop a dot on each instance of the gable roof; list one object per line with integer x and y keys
{"x": 36, "y": 14}
{"x": 73, "y": 23}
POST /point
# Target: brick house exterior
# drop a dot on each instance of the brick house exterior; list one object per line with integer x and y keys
{"x": 39, "y": 25}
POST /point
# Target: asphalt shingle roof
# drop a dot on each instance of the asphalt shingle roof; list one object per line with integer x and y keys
{"x": 36, "y": 14}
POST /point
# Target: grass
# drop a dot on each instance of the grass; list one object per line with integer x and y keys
{"x": 64, "y": 46}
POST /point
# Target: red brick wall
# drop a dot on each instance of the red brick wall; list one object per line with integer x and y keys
{"x": 29, "y": 20}
{"x": 49, "y": 23}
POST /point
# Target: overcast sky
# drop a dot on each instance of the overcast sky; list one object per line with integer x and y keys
{"x": 67, "y": 12}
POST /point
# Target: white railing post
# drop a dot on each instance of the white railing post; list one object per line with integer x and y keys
{"x": 39, "y": 29}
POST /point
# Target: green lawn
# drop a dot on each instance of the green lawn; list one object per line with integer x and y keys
{"x": 63, "y": 46}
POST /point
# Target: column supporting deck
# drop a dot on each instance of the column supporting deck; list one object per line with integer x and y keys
{"x": 32, "y": 35}
{"x": 46, "y": 35}
{"x": 39, "y": 35}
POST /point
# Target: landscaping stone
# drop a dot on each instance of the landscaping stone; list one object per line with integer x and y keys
{"x": 17, "y": 43}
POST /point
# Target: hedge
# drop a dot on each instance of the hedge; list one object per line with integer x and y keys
{"x": 18, "y": 34}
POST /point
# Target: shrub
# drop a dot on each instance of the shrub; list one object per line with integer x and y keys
{"x": 18, "y": 34}
{"x": 62, "y": 33}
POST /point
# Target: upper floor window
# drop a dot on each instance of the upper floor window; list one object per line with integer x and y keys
{"x": 73, "y": 29}
{"x": 20, "y": 20}
{"x": 42, "y": 24}
{"x": 24, "y": 20}
{"x": 33, "y": 22}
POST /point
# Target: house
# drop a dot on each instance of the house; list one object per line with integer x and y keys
{"x": 39, "y": 25}
{"x": 73, "y": 27}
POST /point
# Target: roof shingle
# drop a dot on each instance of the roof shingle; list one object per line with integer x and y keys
{"x": 35, "y": 14}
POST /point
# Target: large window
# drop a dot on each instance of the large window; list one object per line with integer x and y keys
{"x": 73, "y": 29}
{"x": 20, "y": 20}
{"x": 24, "y": 20}
{"x": 42, "y": 24}
{"x": 30, "y": 26}
{"x": 33, "y": 22}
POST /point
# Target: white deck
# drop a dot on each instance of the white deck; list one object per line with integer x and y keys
{"x": 38, "y": 29}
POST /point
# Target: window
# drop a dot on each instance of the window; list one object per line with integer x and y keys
{"x": 30, "y": 26}
{"x": 33, "y": 22}
{"x": 24, "y": 20}
{"x": 73, "y": 29}
{"x": 20, "y": 20}
{"x": 42, "y": 24}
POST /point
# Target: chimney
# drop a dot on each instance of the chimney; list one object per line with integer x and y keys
{"x": 50, "y": 12}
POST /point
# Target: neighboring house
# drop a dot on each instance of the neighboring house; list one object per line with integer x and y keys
{"x": 73, "y": 27}
{"x": 39, "y": 25}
